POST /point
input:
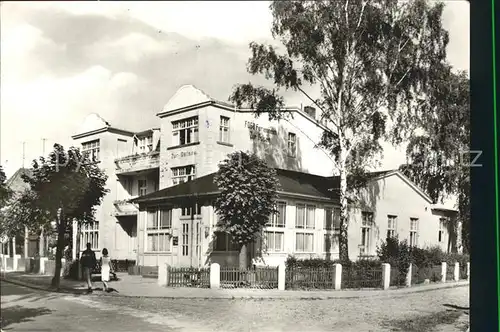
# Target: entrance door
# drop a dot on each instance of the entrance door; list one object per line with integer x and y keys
{"x": 190, "y": 243}
{"x": 185, "y": 244}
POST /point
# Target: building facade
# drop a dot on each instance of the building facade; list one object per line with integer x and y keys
{"x": 307, "y": 225}
{"x": 194, "y": 134}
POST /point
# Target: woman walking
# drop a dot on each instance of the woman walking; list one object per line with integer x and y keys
{"x": 106, "y": 269}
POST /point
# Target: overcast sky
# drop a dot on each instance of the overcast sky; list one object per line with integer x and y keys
{"x": 124, "y": 60}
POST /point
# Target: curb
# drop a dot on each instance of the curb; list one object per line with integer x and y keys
{"x": 393, "y": 293}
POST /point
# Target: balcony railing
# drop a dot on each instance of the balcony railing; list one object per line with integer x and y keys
{"x": 138, "y": 162}
{"x": 124, "y": 208}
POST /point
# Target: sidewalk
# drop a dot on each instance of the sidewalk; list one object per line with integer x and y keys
{"x": 136, "y": 286}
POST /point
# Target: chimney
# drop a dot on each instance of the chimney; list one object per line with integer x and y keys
{"x": 311, "y": 111}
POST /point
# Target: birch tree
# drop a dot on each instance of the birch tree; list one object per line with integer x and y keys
{"x": 362, "y": 64}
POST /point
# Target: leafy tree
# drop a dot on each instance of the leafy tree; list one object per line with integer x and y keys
{"x": 64, "y": 187}
{"x": 398, "y": 254}
{"x": 248, "y": 197}
{"x": 369, "y": 60}
{"x": 5, "y": 191}
{"x": 439, "y": 154}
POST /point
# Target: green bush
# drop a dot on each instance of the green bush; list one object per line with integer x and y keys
{"x": 293, "y": 262}
{"x": 397, "y": 254}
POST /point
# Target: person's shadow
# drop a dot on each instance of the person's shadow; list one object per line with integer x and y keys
{"x": 110, "y": 290}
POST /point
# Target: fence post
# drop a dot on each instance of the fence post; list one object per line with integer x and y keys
{"x": 408, "y": 276}
{"x": 215, "y": 276}
{"x": 15, "y": 262}
{"x": 63, "y": 266}
{"x": 42, "y": 265}
{"x": 468, "y": 271}
{"x": 386, "y": 275}
{"x": 163, "y": 275}
{"x": 338, "y": 276}
{"x": 443, "y": 271}
{"x": 456, "y": 272}
{"x": 281, "y": 276}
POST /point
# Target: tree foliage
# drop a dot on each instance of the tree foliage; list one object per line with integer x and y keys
{"x": 439, "y": 155}
{"x": 248, "y": 196}
{"x": 63, "y": 187}
{"x": 369, "y": 63}
{"x": 5, "y": 191}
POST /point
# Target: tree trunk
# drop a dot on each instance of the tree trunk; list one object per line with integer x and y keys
{"x": 344, "y": 213}
{"x": 243, "y": 257}
{"x": 61, "y": 230}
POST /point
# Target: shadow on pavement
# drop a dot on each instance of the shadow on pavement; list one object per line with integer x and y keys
{"x": 455, "y": 307}
{"x": 13, "y": 287}
{"x": 18, "y": 314}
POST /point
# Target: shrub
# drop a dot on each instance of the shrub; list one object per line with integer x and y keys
{"x": 397, "y": 254}
{"x": 71, "y": 270}
{"x": 292, "y": 262}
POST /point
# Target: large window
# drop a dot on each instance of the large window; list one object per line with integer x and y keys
{"x": 274, "y": 238}
{"x": 223, "y": 242}
{"x": 391, "y": 226}
{"x": 442, "y": 222}
{"x": 143, "y": 187}
{"x": 91, "y": 150}
{"x": 274, "y": 241}
{"x": 278, "y": 219}
{"x": 224, "y": 129}
{"x": 332, "y": 219}
{"x": 185, "y": 131}
{"x": 304, "y": 242}
{"x": 186, "y": 210}
{"x": 89, "y": 234}
{"x": 366, "y": 232}
{"x": 145, "y": 144}
{"x": 159, "y": 225}
{"x": 292, "y": 145}
{"x": 332, "y": 228}
{"x": 331, "y": 242}
{"x": 183, "y": 174}
{"x": 413, "y": 232}
{"x": 305, "y": 216}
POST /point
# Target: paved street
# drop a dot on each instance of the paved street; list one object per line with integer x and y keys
{"x": 24, "y": 309}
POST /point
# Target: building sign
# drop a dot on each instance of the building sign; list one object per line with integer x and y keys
{"x": 175, "y": 240}
{"x": 262, "y": 130}
{"x": 183, "y": 154}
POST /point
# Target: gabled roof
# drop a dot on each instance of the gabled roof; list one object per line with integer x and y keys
{"x": 297, "y": 184}
{"x": 16, "y": 182}
{"x": 292, "y": 184}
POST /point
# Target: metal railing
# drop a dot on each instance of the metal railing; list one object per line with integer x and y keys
{"x": 361, "y": 277}
{"x": 188, "y": 277}
{"x": 463, "y": 272}
{"x": 257, "y": 277}
{"x": 310, "y": 278}
{"x": 420, "y": 274}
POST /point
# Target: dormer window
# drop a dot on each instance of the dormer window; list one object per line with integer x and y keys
{"x": 145, "y": 144}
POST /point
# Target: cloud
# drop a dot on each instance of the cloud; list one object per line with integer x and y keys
{"x": 62, "y": 61}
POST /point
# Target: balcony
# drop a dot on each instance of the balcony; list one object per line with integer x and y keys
{"x": 133, "y": 164}
{"x": 124, "y": 208}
